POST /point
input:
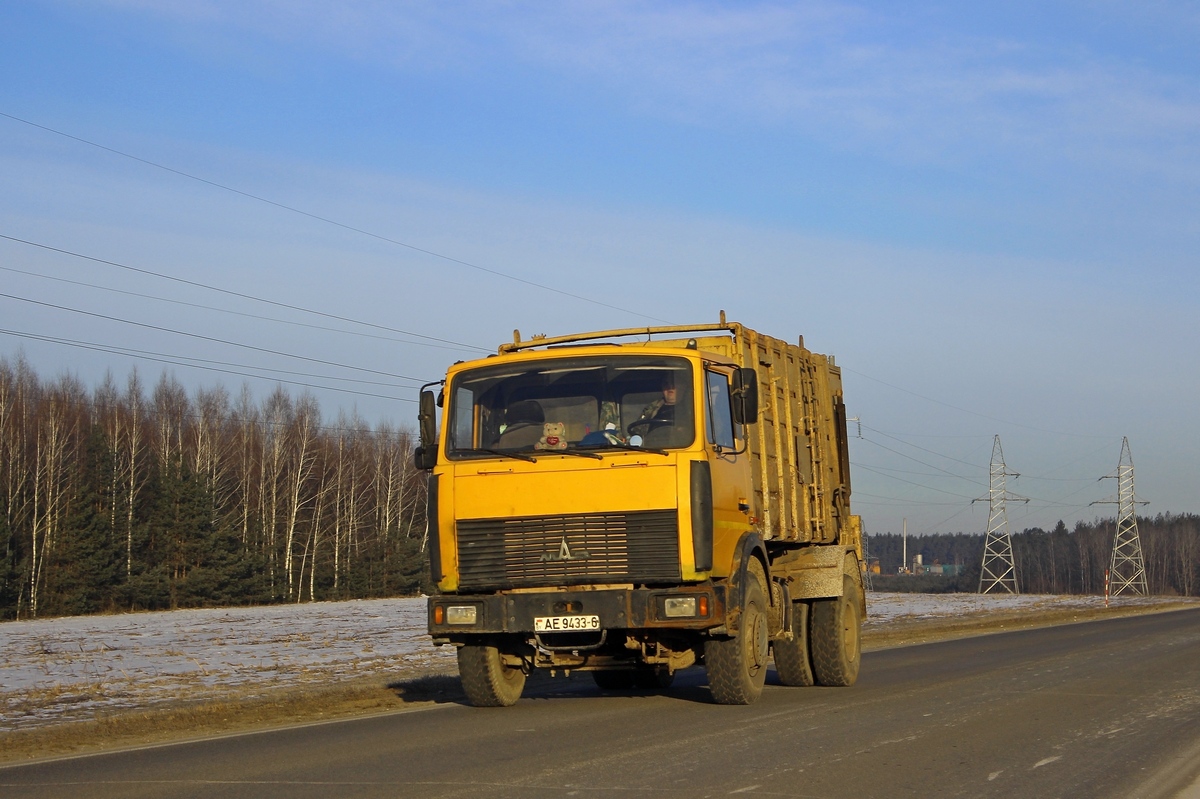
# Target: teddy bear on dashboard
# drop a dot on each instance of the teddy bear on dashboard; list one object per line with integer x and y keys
{"x": 554, "y": 436}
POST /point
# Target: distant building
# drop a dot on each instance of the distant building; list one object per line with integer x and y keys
{"x": 936, "y": 568}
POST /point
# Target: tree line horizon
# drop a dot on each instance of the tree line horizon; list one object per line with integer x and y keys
{"x": 1056, "y": 561}
{"x": 122, "y": 499}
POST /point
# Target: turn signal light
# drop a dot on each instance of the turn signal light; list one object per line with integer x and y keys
{"x": 439, "y": 615}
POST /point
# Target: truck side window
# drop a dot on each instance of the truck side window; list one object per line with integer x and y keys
{"x": 464, "y": 418}
{"x": 720, "y": 412}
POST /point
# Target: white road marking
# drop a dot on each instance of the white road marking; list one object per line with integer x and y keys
{"x": 1047, "y": 761}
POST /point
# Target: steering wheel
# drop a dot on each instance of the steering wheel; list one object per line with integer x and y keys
{"x": 648, "y": 424}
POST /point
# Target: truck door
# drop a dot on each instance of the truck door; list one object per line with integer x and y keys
{"x": 730, "y": 467}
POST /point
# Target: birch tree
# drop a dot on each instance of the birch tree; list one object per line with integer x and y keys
{"x": 302, "y": 450}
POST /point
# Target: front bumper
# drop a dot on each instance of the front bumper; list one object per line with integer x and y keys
{"x": 627, "y": 609}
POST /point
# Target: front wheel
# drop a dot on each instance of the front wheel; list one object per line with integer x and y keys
{"x": 737, "y": 667}
{"x": 836, "y": 636}
{"x": 486, "y": 679}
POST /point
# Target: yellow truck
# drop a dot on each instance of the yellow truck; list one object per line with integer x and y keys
{"x": 635, "y": 502}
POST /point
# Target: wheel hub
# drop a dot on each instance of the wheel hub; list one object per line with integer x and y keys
{"x": 759, "y": 643}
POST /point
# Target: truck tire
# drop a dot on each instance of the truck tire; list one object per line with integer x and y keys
{"x": 836, "y": 635}
{"x": 486, "y": 680}
{"x": 793, "y": 663}
{"x": 737, "y": 667}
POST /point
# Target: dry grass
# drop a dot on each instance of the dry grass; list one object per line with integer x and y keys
{"x": 283, "y": 707}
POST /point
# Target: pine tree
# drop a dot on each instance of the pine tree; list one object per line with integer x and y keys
{"x": 84, "y": 571}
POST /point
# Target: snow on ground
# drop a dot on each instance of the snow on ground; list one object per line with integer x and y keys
{"x": 58, "y": 669}
{"x": 884, "y": 607}
{"x": 54, "y": 670}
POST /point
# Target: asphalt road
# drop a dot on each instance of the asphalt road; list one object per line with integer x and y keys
{"x": 1103, "y": 709}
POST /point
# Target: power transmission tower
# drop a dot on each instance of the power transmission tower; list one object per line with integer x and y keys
{"x": 1127, "y": 572}
{"x": 868, "y": 583}
{"x": 999, "y": 569}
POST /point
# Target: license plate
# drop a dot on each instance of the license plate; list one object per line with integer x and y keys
{"x": 553, "y": 624}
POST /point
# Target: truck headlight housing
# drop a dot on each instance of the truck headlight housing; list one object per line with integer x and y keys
{"x": 675, "y": 607}
{"x": 462, "y": 614}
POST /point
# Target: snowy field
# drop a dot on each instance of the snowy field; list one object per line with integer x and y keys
{"x": 68, "y": 668}
{"x": 56, "y": 670}
{"x": 883, "y": 608}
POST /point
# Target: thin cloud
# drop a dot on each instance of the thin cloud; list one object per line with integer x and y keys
{"x": 844, "y": 74}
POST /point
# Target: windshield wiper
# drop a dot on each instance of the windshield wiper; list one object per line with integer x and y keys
{"x": 629, "y": 448}
{"x": 521, "y": 456}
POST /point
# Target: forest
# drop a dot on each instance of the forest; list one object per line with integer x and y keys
{"x": 128, "y": 498}
{"x": 1060, "y": 561}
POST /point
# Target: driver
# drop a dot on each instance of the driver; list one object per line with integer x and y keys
{"x": 662, "y": 410}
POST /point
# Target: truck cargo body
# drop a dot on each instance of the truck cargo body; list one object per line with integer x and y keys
{"x": 633, "y": 508}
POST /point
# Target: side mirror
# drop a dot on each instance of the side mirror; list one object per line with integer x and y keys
{"x": 426, "y": 454}
{"x": 745, "y": 396}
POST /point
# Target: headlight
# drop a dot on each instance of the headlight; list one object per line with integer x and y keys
{"x": 677, "y": 606}
{"x": 462, "y": 614}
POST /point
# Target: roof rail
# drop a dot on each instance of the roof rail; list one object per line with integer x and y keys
{"x": 541, "y": 340}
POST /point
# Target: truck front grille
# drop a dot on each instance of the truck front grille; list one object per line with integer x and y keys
{"x": 634, "y": 547}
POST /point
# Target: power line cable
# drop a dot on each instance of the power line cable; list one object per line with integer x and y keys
{"x": 333, "y": 222}
{"x": 952, "y": 516}
{"x": 182, "y": 360}
{"x": 964, "y": 410}
{"x": 458, "y": 348}
{"x": 1088, "y": 454}
{"x": 1042, "y": 503}
{"x": 925, "y": 435}
{"x": 923, "y": 463}
{"x": 923, "y": 449}
{"x": 222, "y": 371}
{"x": 877, "y": 467}
{"x": 382, "y": 429}
{"x": 211, "y": 338}
{"x": 898, "y": 501}
{"x": 236, "y": 293}
{"x": 910, "y": 482}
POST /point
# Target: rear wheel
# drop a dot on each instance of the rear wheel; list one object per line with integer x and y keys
{"x": 737, "y": 667}
{"x": 792, "y": 660}
{"x": 836, "y": 635}
{"x": 486, "y": 679}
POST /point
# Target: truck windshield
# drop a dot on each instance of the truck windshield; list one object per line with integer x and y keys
{"x": 572, "y": 404}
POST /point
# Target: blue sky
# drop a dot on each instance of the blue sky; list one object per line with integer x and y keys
{"x": 988, "y": 216}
